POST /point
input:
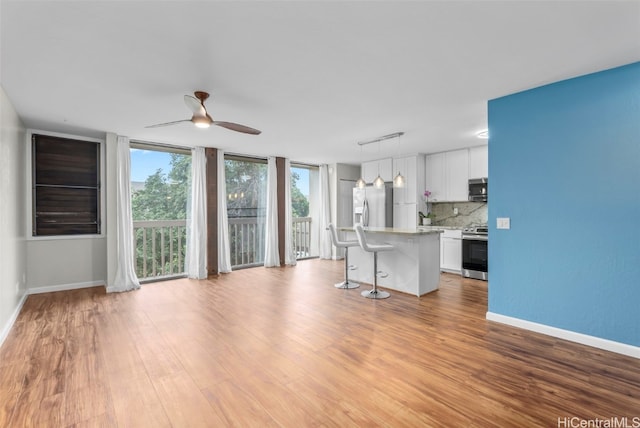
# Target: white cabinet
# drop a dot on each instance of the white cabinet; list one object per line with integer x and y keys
{"x": 370, "y": 170}
{"x": 407, "y": 200}
{"x": 405, "y": 216}
{"x": 457, "y": 175}
{"x": 412, "y": 169}
{"x": 451, "y": 251}
{"x": 447, "y": 176}
{"x": 479, "y": 162}
{"x": 435, "y": 177}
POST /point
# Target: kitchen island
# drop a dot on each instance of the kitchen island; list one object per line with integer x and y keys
{"x": 413, "y": 266}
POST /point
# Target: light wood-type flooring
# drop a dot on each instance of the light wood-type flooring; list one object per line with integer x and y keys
{"x": 282, "y": 347}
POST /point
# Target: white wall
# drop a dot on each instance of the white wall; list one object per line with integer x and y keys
{"x": 12, "y": 215}
{"x": 62, "y": 264}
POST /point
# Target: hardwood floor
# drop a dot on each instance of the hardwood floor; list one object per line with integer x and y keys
{"x": 283, "y": 347}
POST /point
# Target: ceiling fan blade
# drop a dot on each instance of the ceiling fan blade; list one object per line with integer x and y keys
{"x": 195, "y": 105}
{"x": 237, "y": 127}
{"x": 168, "y": 123}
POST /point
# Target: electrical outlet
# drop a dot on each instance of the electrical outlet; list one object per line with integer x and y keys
{"x": 455, "y": 211}
{"x": 503, "y": 223}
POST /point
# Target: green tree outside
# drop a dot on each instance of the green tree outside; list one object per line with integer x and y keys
{"x": 299, "y": 202}
{"x": 165, "y": 197}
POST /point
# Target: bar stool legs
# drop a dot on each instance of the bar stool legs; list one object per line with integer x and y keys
{"x": 372, "y": 248}
{"x": 346, "y": 284}
{"x": 374, "y": 293}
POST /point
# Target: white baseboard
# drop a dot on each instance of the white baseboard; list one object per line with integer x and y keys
{"x": 64, "y": 287}
{"x": 572, "y": 336}
{"x": 14, "y": 316}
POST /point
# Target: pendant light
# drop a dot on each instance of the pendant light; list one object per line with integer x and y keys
{"x": 398, "y": 180}
{"x": 378, "y": 182}
{"x": 361, "y": 184}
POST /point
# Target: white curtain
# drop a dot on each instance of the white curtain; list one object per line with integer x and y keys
{"x": 289, "y": 250}
{"x": 196, "y": 256}
{"x": 125, "y": 278}
{"x": 324, "y": 241}
{"x": 224, "y": 252}
{"x": 271, "y": 256}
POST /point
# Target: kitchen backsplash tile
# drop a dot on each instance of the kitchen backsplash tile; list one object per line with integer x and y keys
{"x": 468, "y": 213}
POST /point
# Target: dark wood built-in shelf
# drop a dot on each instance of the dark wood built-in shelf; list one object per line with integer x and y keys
{"x": 66, "y": 186}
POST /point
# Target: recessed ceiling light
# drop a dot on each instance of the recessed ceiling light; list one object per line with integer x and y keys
{"x": 483, "y": 134}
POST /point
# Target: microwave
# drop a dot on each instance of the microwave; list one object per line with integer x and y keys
{"x": 478, "y": 189}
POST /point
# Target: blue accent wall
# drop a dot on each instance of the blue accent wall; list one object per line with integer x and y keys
{"x": 564, "y": 166}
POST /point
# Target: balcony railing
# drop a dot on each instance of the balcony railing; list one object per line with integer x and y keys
{"x": 160, "y": 245}
{"x": 302, "y": 237}
{"x": 246, "y": 241}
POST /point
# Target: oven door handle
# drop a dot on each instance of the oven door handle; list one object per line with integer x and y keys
{"x": 475, "y": 238}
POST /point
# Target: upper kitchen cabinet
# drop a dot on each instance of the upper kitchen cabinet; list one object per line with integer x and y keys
{"x": 479, "y": 162}
{"x": 412, "y": 169}
{"x": 447, "y": 176}
{"x": 406, "y": 200}
{"x": 370, "y": 170}
{"x": 435, "y": 177}
{"x": 457, "y": 175}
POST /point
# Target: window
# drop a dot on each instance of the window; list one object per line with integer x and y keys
{"x": 66, "y": 186}
{"x": 160, "y": 188}
{"x": 302, "y": 206}
{"x": 300, "y": 189}
{"x": 246, "y": 180}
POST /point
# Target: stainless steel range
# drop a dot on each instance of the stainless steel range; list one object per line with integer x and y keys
{"x": 475, "y": 240}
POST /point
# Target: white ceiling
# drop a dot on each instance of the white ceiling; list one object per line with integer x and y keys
{"x": 315, "y": 77}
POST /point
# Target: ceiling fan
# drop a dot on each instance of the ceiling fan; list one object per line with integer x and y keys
{"x": 201, "y": 118}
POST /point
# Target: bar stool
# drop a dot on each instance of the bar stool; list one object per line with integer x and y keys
{"x": 372, "y": 248}
{"x": 344, "y": 244}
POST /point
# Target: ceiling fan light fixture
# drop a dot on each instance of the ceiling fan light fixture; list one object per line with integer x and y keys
{"x": 201, "y": 119}
{"x": 201, "y": 122}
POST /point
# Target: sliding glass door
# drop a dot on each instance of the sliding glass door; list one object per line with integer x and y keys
{"x": 246, "y": 180}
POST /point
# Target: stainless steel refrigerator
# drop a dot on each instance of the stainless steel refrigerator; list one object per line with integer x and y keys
{"x": 372, "y": 206}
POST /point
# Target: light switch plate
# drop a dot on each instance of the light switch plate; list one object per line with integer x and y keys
{"x": 503, "y": 223}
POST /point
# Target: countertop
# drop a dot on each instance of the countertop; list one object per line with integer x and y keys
{"x": 392, "y": 230}
{"x": 441, "y": 227}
